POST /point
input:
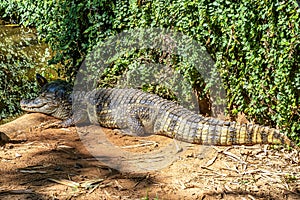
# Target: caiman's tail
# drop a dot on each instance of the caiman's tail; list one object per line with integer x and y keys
{"x": 250, "y": 134}
{"x": 217, "y": 132}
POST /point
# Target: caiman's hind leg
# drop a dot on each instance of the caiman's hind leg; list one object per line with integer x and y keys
{"x": 137, "y": 124}
{"x": 135, "y": 127}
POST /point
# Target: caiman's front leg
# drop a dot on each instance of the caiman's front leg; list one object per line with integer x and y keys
{"x": 76, "y": 119}
{"x": 57, "y": 124}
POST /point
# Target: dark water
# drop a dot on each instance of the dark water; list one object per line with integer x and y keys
{"x": 22, "y": 54}
{"x": 19, "y": 43}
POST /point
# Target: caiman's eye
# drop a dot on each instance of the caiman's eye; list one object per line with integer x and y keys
{"x": 59, "y": 93}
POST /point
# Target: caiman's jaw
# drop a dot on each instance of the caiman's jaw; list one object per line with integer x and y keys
{"x": 39, "y": 105}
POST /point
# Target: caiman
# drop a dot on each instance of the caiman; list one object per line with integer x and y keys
{"x": 139, "y": 114}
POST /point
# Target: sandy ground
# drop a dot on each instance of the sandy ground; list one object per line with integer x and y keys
{"x": 75, "y": 163}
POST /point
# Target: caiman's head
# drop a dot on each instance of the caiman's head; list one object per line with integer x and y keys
{"x": 54, "y": 99}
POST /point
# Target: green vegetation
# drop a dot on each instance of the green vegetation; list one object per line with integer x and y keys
{"x": 18, "y": 58}
{"x": 255, "y": 45}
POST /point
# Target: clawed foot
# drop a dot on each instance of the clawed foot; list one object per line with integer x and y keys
{"x": 49, "y": 124}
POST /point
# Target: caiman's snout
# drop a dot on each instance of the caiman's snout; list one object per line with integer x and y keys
{"x": 41, "y": 104}
{"x": 24, "y": 103}
{"x": 34, "y": 105}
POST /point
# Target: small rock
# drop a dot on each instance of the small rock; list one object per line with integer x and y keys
{"x": 3, "y": 139}
{"x": 17, "y": 155}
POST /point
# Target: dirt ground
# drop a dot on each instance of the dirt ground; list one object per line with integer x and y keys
{"x": 53, "y": 163}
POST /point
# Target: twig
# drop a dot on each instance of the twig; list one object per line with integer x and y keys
{"x": 224, "y": 175}
{"x": 233, "y": 157}
{"x": 94, "y": 188}
{"x": 16, "y": 192}
{"x": 211, "y": 161}
{"x": 32, "y": 171}
{"x": 107, "y": 194}
{"x": 65, "y": 182}
{"x": 140, "y": 145}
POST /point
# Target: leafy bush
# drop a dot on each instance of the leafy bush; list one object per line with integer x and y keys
{"x": 255, "y": 46}
{"x": 12, "y": 90}
{"x": 20, "y": 56}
